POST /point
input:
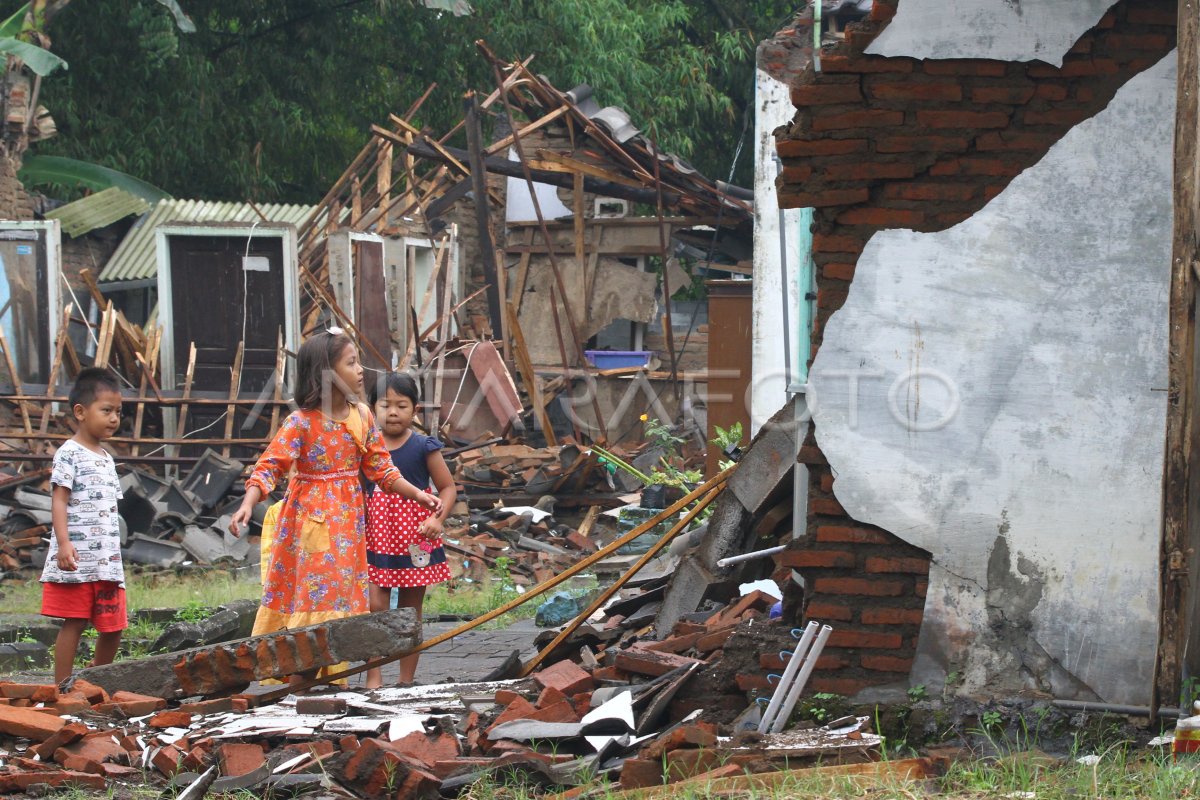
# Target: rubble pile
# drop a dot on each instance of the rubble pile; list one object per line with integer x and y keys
{"x": 628, "y": 710}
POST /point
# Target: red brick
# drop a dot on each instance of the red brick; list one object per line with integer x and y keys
{"x": 321, "y": 706}
{"x": 348, "y": 743}
{"x": 1084, "y": 94}
{"x": 648, "y": 662}
{"x": 827, "y": 612}
{"x": 240, "y": 705}
{"x": 800, "y": 559}
{"x": 713, "y": 641}
{"x": 922, "y": 144}
{"x": 517, "y": 709}
{"x": 1074, "y": 68}
{"x": 882, "y": 217}
{"x": 865, "y": 64}
{"x": 830, "y": 298}
{"x": 81, "y": 764}
{"x": 963, "y": 119}
{"x": 68, "y": 734}
{"x": 821, "y": 94}
{"x": 12, "y": 782}
{"x": 1124, "y": 42}
{"x": 565, "y": 676}
{"x": 505, "y": 697}
{"x": 906, "y": 92}
{"x": 639, "y": 773}
{"x": 196, "y": 759}
{"x": 1142, "y": 15}
{"x": 866, "y": 118}
{"x": 989, "y": 166}
{"x": 549, "y": 697}
{"x": 29, "y": 724}
{"x": 1051, "y": 91}
{"x": 685, "y": 737}
{"x": 772, "y": 661}
{"x": 866, "y": 171}
{"x": 795, "y": 173}
{"x": 427, "y": 749}
{"x": 827, "y": 506}
{"x": 886, "y": 663}
{"x": 881, "y": 11}
{"x": 240, "y": 759}
{"x": 167, "y": 760}
{"x": 938, "y": 192}
{"x": 840, "y": 533}
{"x": 833, "y": 243}
{"x": 919, "y": 566}
{"x": 1007, "y": 95}
{"x": 965, "y": 67}
{"x": 828, "y": 197}
{"x": 1056, "y": 116}
{"x": 892, "y": 616}
{"x": 97, "y": 746}
{"x": 797, "y": 148}
{"x": 219, "y": 706}
{"x": 170, "y": 719}
{"x": 866, "y": 639}
{"x": 921, "y": 588}
{"x": 26, "y": 691}
{"x": 752, "y": 681}
{"x": 1014, "y": 141}
{"x": 72, "y": 703}
{"x": 838, "y": 272}
{"x": 810, "y": 454}
{"x": 873, "y": 587}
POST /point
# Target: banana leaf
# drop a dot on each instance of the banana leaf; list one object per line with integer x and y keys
{"x": 39, "y": 170}
{"x": 38, "y": 59}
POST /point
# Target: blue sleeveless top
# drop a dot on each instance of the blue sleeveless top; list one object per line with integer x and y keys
{"x": 409, "y": 458}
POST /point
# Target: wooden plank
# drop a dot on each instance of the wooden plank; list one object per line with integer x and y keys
{"x": 147, "y": 368}
{"x": 580, "y": 222}
{"x": 439, "y": 261}
{"x": 523, "y": 272}
{"x": 235, "y": 386}
{"x": 1177, "y": 566}
{"x": 666, "y": 281}
{"x": 52, "y": 381}
{"x": 528, "y": 375}
{"x": 280, "y": 366}
{"x": 16, "y": 380}
{"x": 181, "y": 426}
{"x": 487, "y": 243}
{"x": 505, "y": 143}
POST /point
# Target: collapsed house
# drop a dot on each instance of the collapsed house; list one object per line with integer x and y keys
{"x": 984, "y": 401}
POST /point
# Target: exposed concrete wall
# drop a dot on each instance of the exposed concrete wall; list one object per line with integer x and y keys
{"x": 771, "y": 370}
{"x": 1009, "y": 413}
{"x": 1006, "y": 30}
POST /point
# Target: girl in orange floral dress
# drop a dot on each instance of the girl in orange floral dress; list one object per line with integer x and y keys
{"x": 318, "y": 561}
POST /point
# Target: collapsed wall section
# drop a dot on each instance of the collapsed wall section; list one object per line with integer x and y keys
{"x": 881, "y": 143}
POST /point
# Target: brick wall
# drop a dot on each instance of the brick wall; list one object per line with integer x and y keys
{"x": 882, "y": 143}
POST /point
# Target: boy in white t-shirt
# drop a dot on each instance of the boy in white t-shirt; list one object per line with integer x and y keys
{"x": 84, "y": 579}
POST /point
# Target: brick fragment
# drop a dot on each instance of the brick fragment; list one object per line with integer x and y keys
{"x": 321, "y": 706}
{"x": 220, "y": 705}
{"x": 29, "y": 724}
{"x": 426, "y": 749}
{"x": 12, "y": 782}
{"x": 696, "y": 735}
{"x": 97, "y": 746}
{"x": 639, "y": 773}
{"x": 68, "y": 734}
{"x": 71, "y": 703}
{"x": 565, "y": 676}
{"x": 648, "y": 662}
{"x": 170, "y": 719}
{"x": 240, "y": 759}
{"x": 348, "y": 743}
{"x": 549, "y": 697}
{"x": 167, "y": 760}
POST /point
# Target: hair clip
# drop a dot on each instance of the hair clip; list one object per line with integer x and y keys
{"x": 334, "y": 330}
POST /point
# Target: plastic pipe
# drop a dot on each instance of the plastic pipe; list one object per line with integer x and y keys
{"x": 789, "y": 674}
{"x": 793, "y": 695}
{"x": 731, "y": 560}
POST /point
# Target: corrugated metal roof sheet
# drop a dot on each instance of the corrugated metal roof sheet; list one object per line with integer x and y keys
{"x": 97, "y": 210}
{"x": 135, "y": 257}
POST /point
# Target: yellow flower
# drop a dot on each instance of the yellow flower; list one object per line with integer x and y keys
{"x": 644, "y": 417}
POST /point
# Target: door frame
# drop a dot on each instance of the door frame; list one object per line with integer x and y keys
{"x": 291, "y": 282}
{"x": 54, "y": 273}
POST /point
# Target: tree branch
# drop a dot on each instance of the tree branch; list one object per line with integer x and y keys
{"x": 284, "y": 25}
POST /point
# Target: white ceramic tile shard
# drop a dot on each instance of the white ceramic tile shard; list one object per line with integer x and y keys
{"x": 994, "y": 394}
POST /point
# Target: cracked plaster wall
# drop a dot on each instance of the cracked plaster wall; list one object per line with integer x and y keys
{"x": 1006, "y": 30}
{"x": 1007, "y": 413}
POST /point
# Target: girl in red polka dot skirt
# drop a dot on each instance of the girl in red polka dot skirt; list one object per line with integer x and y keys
{"x": 404, "y": 544}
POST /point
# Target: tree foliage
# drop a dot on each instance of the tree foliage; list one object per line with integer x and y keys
{"x": 270, "y": 99}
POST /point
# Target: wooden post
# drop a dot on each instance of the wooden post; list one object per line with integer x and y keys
{"x": 235, "y": 387}
{"x": 1175, "y": 562}
{"x": 487, "y": 245}
{"x": 666, "y": 281}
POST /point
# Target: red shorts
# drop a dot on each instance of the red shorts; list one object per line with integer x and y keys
{"x": 102, "y": 602}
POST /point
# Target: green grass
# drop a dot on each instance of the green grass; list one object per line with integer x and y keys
{"x": 157, "y": 590}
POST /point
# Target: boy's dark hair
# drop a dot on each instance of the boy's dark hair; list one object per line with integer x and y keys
{"x": 399, "y": 382}
{"x": 316, "y": 357}
{"x": 90, "y": 382}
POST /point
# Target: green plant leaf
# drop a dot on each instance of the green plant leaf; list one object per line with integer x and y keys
{"x": 39, "y": 170}
{"x": 14, "y": 24}
{"x": 38, "y": 59}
